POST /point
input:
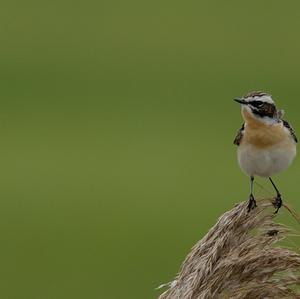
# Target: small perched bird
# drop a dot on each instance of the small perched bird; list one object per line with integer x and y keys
{"x": 266, "y": 143}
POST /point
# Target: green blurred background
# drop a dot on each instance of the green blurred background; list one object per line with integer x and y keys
{"x": 117, "y": 122}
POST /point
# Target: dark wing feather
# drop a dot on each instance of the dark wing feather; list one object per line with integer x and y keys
{"x": 288, "y": 126}
{"x": 239, "y": 136}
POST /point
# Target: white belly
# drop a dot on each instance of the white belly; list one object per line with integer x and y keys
{"x": 265, "y": 162}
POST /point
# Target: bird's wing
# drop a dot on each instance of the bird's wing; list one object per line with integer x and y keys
{"x": 239, "y": 136}
{"x": 292, "y": 132}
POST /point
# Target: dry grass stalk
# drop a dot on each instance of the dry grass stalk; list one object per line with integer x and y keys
{"x": 237, "y": 259}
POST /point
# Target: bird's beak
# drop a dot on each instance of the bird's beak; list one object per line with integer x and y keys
{"x": 241, "y": 101}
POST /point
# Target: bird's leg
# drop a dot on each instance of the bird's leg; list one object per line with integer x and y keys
{"x": 251, "y": 202}
{"x": 278, "y": 201}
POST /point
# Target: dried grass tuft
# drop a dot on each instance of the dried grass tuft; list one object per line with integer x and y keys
{"x": 238, "y": 259}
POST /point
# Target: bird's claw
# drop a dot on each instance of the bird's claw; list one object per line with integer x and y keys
{"x": 277, "y": 203}
{"x": 251, "y": 203}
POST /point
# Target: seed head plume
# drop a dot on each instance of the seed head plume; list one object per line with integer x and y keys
{"x": 239, "y": 258}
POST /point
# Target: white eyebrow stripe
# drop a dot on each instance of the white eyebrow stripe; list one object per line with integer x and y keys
{"x": 264, "y": 98}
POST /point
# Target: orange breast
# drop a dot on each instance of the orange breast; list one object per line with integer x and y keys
{"x": 260, "y": 134}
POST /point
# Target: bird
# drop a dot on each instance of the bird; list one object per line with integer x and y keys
{"x": 266, "y": 142}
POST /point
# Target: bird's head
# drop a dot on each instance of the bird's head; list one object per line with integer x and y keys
{"x": 259, "y": 106}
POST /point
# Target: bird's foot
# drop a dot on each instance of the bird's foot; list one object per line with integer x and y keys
{"x": 277, "y": 203}
{"x": 251, "y": 203}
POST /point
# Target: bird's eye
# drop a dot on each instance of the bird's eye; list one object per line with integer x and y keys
{"x": 257, "y": 103}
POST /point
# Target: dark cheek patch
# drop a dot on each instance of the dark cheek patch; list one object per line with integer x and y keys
{"x": 266, "y": 109}
{"x": 269, "y": 109}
